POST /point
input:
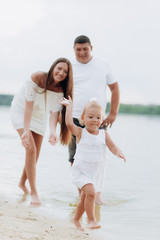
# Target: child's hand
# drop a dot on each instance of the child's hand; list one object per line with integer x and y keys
{"x": 65, "y": 102}
{"x": 121, "y": 155}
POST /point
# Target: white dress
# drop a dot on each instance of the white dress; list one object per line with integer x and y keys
{"x": 30, "y": 91}
{"x": 90, "y": 153}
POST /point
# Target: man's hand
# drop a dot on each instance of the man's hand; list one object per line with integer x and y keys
{"x": 108, "y": 121}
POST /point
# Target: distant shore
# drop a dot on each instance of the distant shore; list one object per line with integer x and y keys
{"x": 24, "y": 223}
{"x": 152, "y": 109}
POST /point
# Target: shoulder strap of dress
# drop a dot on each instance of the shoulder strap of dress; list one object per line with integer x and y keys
{"x": 84, "y": 132}
{"x": 102, "y": 132}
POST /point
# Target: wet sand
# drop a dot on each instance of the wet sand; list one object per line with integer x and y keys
{"x": 20, "y": 222}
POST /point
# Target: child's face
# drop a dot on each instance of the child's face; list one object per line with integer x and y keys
{"x": 93, "y": 118}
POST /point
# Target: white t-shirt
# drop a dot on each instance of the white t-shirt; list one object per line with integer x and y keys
{"x": 90, "y": 81}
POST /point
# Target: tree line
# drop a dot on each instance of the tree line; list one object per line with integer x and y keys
{"x": 138, "y": 109}
{"x": 5, "y": 100}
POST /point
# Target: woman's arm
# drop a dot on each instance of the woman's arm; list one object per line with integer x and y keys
{"x": 27, "y": 119}
{"x": 53, "y": 120}
{"x": 113, "y": 148}
{"x": 75, "y": 130}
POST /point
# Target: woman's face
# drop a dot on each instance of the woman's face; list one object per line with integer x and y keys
{"x": 60, "y": 72}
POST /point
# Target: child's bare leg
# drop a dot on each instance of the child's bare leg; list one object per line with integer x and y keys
{"x": 79, "y": 212}
{"x": 89, "y": 205}
{"x": 79, "y": 191}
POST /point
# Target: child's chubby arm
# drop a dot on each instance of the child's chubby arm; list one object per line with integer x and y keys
{"x": 113, "y": 148}
{"x": 75, "y": 130}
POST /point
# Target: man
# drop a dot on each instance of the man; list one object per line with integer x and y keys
{"x": 91, "y": 77}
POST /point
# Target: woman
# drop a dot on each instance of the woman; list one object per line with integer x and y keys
{"x": 29, "y": 114}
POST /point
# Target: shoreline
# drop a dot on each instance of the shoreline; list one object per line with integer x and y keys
{"x": 21, "y": 222}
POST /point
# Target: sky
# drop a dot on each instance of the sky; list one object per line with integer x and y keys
{"x": 33, "y": 33}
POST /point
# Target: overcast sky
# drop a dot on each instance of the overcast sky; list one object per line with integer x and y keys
{"x": 33, "y": 33}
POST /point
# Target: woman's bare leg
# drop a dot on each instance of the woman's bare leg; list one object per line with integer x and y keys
{"x": 30, "y": 165}
{"x": 22, "y": 182}
{"x": 38, "y": 143}
{"x": 89, "y": 205}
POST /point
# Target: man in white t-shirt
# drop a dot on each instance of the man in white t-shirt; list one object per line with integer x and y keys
{"x": 91, "y": 77}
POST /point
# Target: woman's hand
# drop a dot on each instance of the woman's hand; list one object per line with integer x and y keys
{"x": 53, "y": 139}
{"x": 25, "y": 139}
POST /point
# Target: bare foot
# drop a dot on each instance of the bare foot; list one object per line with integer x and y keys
{"x": 94, "y": 225}
{"x": 35, "y": 200}
{"x": 24, "y": 198}
{"x": 24, "y": 189}
{"x": 78, "y": 225}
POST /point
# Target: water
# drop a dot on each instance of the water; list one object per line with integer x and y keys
{"x": 131, "y": 191}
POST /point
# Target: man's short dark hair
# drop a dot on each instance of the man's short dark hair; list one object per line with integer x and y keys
{"x": 82, "y": 39}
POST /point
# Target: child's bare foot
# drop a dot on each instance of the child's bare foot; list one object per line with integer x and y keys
{"x": 35, "y": 200}
{"x": 24, "y": 189}
{"x": 94, "y": 225}
{"x": 78, "y": 225}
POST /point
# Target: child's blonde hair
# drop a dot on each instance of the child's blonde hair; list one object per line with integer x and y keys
{"x": 91, "y": 103}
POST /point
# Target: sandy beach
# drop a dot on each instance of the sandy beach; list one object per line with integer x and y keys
{"x": 18, "y": 221}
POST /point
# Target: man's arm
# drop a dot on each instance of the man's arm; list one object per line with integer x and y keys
{"x": 114, "y": 107}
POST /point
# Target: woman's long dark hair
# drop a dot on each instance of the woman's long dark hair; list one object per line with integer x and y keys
{"x": 67, "y": 86}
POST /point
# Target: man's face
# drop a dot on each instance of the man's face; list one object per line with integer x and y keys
{"x": 83, "y": 52}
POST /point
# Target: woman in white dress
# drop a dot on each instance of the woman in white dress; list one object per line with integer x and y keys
{"x": 90, "y": 152}
{"x": 29, "y": 109}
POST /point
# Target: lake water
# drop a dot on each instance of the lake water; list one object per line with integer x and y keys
{"x": 131, "y": 191}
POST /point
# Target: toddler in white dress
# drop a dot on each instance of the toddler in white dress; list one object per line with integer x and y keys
{"x": 91, "y": 147}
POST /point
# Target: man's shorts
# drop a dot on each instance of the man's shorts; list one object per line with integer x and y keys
{"x": 72, "y": 145}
